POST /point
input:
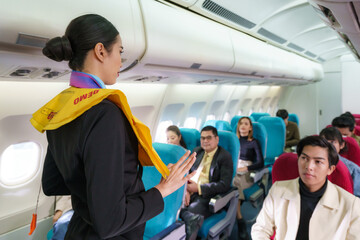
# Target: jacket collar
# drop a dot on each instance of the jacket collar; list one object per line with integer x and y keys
{"x": 292, "y": 191}
{"x": 330, "y": 198}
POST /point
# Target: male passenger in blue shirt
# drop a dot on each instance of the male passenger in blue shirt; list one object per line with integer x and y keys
{"x": 214, "y": 170}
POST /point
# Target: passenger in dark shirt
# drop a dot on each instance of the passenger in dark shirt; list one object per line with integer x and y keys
{"x": 251, "y": 159}
{"x": 292, "y": 130}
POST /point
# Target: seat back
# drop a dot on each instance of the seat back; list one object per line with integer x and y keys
{"x": 257, "y": 115}
{"x": 286, "y": 168}
{"x": 353, "y": 150}
{"x": 275, "y": 128}
{"x": 230, "y": 142}
{"x": 341, "y": 177}
{"x": 260, "y": 133}
{"x": 191, "y": 137}
{"x": 294, "y": 118}
{"x": 235, "y": 120}
{"x": 357, "y": 130}
{"x": 168, "y": 153}
{"x": 219, "y": 125}
{"x": 357, "y": 119}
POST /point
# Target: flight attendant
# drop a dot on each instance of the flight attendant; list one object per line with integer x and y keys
{"x": 96, "y": 147}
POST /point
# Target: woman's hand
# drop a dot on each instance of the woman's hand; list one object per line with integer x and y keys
{"x": 177, "y": 177}
{"x": 242, "y": 169}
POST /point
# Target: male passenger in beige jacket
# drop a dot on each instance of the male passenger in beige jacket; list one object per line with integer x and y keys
{"x": 310, "y": 207}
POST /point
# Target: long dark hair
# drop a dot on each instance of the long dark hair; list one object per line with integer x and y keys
{"x": 176, "y": 130}
{"x": 81, "y": 35}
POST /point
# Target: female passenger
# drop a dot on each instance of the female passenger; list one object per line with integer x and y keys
{"x": 333, "y": 136}
{"x": 251, "y": 159}
{"x": 96, "y": 147}
{"x": 173, "y": 136}
{"x": 310, "y": 207}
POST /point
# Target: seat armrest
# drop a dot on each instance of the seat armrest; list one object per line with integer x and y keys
{"x": 257, "y": 175}
{"x": 221, "y": 200}
{"x": 174, "y": 231}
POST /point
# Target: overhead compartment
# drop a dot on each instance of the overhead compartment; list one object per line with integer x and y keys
{"x": 25, "y": 26}
{"x": 344, "y": 17}
{"x": 251, "y": 55}
{"x": 257, "y": 58}
{"x": 181, "y": 39}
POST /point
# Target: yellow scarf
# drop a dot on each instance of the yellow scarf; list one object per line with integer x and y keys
{"x": 72, "y": 102}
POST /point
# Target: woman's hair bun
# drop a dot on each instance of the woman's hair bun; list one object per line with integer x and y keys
{"x": 58, "y": 49}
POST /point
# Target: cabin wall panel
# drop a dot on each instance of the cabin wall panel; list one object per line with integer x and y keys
{"x": 302, "y": 100}
{"x": 329, "y": 92}
{"x": 350, "y": 85}
{"x": 26, "y": 97}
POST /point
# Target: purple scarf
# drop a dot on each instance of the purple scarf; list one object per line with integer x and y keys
{"x": 85, "y": 80}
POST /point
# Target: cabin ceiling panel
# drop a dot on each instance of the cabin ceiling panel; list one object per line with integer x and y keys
{"x": 311, "y": 38}
{"x": 247, "y": 10}
{"x": 295, "y": 24}
{"x": 335, "y": 53}
{"x": 326, "y": 46}
{"x": 290, "y": 24}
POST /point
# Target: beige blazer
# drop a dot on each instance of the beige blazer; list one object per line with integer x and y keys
{"x": 336, "y": 216}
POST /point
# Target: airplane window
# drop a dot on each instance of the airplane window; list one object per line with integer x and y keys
{"x": 198, "y": 124}
{"x": 190, "y": 122}
{"x": 19, "y": 163}
{"x": 227, "y": 117}
{"x": 161, "y": 131}
{"x": 210, "y": 117}
{"x": 193, "y": 119}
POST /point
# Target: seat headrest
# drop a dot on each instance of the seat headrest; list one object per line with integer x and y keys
{"x": 294, "y": 118}
{"x": 258, "y": 115}
{"x": 220, "y": 125}
{"x": 191, "y": 137}
{"x": 285, "y": 167}
{"x": 353, "y": 150}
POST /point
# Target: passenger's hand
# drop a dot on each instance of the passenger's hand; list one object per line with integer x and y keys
{"x": 187, "y": 198}
{"x": 192, "y": 187}
{"x": 57, "y": 215}
{"x": 242, "y": 169}
{"x": 177, "y": 177}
